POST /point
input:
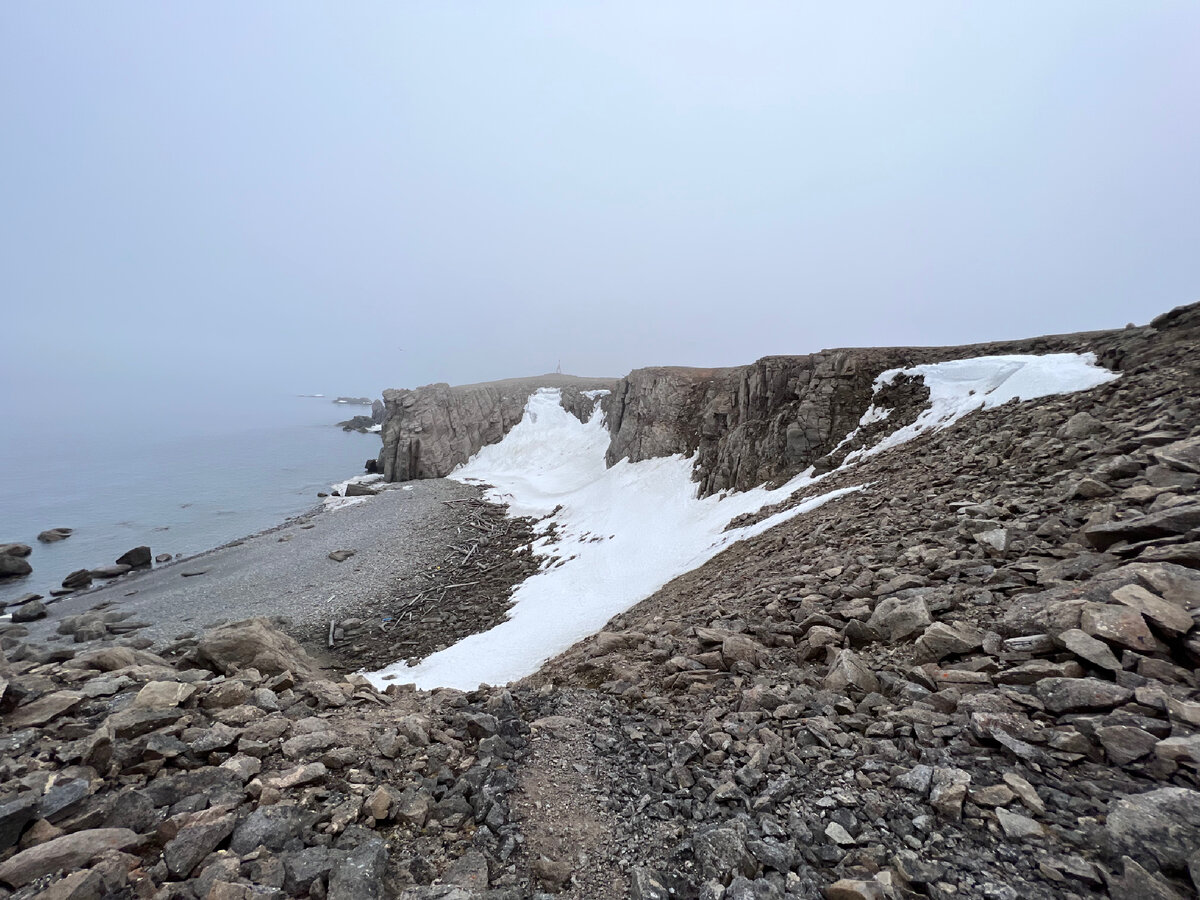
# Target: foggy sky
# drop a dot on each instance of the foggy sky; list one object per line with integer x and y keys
{"x": 280, "y": 196}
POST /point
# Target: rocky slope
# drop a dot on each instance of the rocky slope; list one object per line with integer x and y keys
{"x": 976, "y": 678}
{"x": 430, "y": 430}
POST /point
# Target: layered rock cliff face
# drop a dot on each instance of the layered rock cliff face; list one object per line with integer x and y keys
{"x": 429, "y": 431}
{"x": 746, "y": 425}
{"x": 775, "y": 417}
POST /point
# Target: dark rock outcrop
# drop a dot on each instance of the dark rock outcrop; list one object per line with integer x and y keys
{"x": 13, "y": 566}
{"x": 135, "y": 558}
{"x": 430, "y": 430}
{"x": 53, "y": 535}
{"x": 80, "y": 578}
{"x": 357, "y": 423}
{"x": 773, "y": 418}
{"x": 29, "y": 612}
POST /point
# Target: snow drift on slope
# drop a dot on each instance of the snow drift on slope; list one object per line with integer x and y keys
{"x": 961, "y": 386}
{"x": 622, "y": 533}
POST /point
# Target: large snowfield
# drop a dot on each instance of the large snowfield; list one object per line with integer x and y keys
{"x": 621, "y": 533}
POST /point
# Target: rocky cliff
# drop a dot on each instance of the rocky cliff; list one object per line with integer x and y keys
{"x": 775, "y": 417}
{"x": 747, "y": 425}
{"x": 430, "y": 430}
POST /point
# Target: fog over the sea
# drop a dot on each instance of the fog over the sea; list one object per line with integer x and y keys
{"x": 276, "y": 198}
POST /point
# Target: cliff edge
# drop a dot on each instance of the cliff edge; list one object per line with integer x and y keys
{"x": 747, "y": 425}
{"x": 430, "y": 430}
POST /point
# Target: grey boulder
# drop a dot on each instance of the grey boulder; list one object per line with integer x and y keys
{"x": 1159, "y": 828}
{"x": 138, "y": 557}
{"x": 14, "y": 566}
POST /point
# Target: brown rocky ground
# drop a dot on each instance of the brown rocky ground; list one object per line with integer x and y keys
{"x": 463, "y": 589}
{"x": 975, "y": 678}
{"x": 959, "y": 682}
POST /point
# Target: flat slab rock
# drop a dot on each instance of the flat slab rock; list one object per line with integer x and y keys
{"x": 70, "y": 851}
{"x": 1159, "y": 828}
{"x": 1077, "y": 694}
{"x": 1166, "y": 523}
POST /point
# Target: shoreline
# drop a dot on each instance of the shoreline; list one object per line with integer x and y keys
{"x": 133, "y": 575}
{"x": 187, "y": 489}
{"x": 283, "y": 572}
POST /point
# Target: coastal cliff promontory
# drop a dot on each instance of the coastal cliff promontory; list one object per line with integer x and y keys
{"x": 430, "y": 430}
{"x": 746, "y": 425}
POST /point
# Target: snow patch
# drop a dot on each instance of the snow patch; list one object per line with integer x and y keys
{"x": 340, "y": 487}
{"x": 870, "y": 417}
{"x": 332, "y": 503}
{"x": 621, "y": 534}
{"x": 337, "y": 502}
{"x": 961, "y": 386}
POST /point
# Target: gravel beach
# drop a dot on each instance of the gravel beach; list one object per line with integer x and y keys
{"x": 286, "y": 571}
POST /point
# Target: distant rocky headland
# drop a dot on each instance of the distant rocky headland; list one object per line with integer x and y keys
{"x": 364, "y": 424}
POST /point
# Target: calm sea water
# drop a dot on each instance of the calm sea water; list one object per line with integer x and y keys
{"x": 180, "y": 479}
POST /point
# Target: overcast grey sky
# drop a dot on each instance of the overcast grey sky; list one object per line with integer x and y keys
{"x": 281, "y": 195}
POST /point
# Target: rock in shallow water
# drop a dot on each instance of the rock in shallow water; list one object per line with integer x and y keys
{"x": 135, "y": 558}
{"x": 29, "y": 612}
{"x": 14, "y": 566}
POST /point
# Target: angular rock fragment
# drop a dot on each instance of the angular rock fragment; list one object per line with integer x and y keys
{"x": 1170, "y": 617}
{"x": 941, "y": 640}
{"x": 1119, "y": 625}
{"x": 1160, "y": 828}
{"x": 849, "y": 670}
{"x": 360, "y": 875}
{"x": 1181, "y": 455}
{"x": 1090, "y": 649}
{"x": 194, "y": 842}
{"x": 1165, "y": 523}
{"x": 1079, "y": 694}
{"x": 257, "y": 644}
{"x": 897, "y": 618}
{"x": 948, "y": 791}
{"x": 70, "y": 851}
{"x": 44, "y": 709}
{"x": 1177, "y": 749}
{"x": 1018, "y": 827}
{"x": 721, "y": 852}
{"x": 1124, "y": 743}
